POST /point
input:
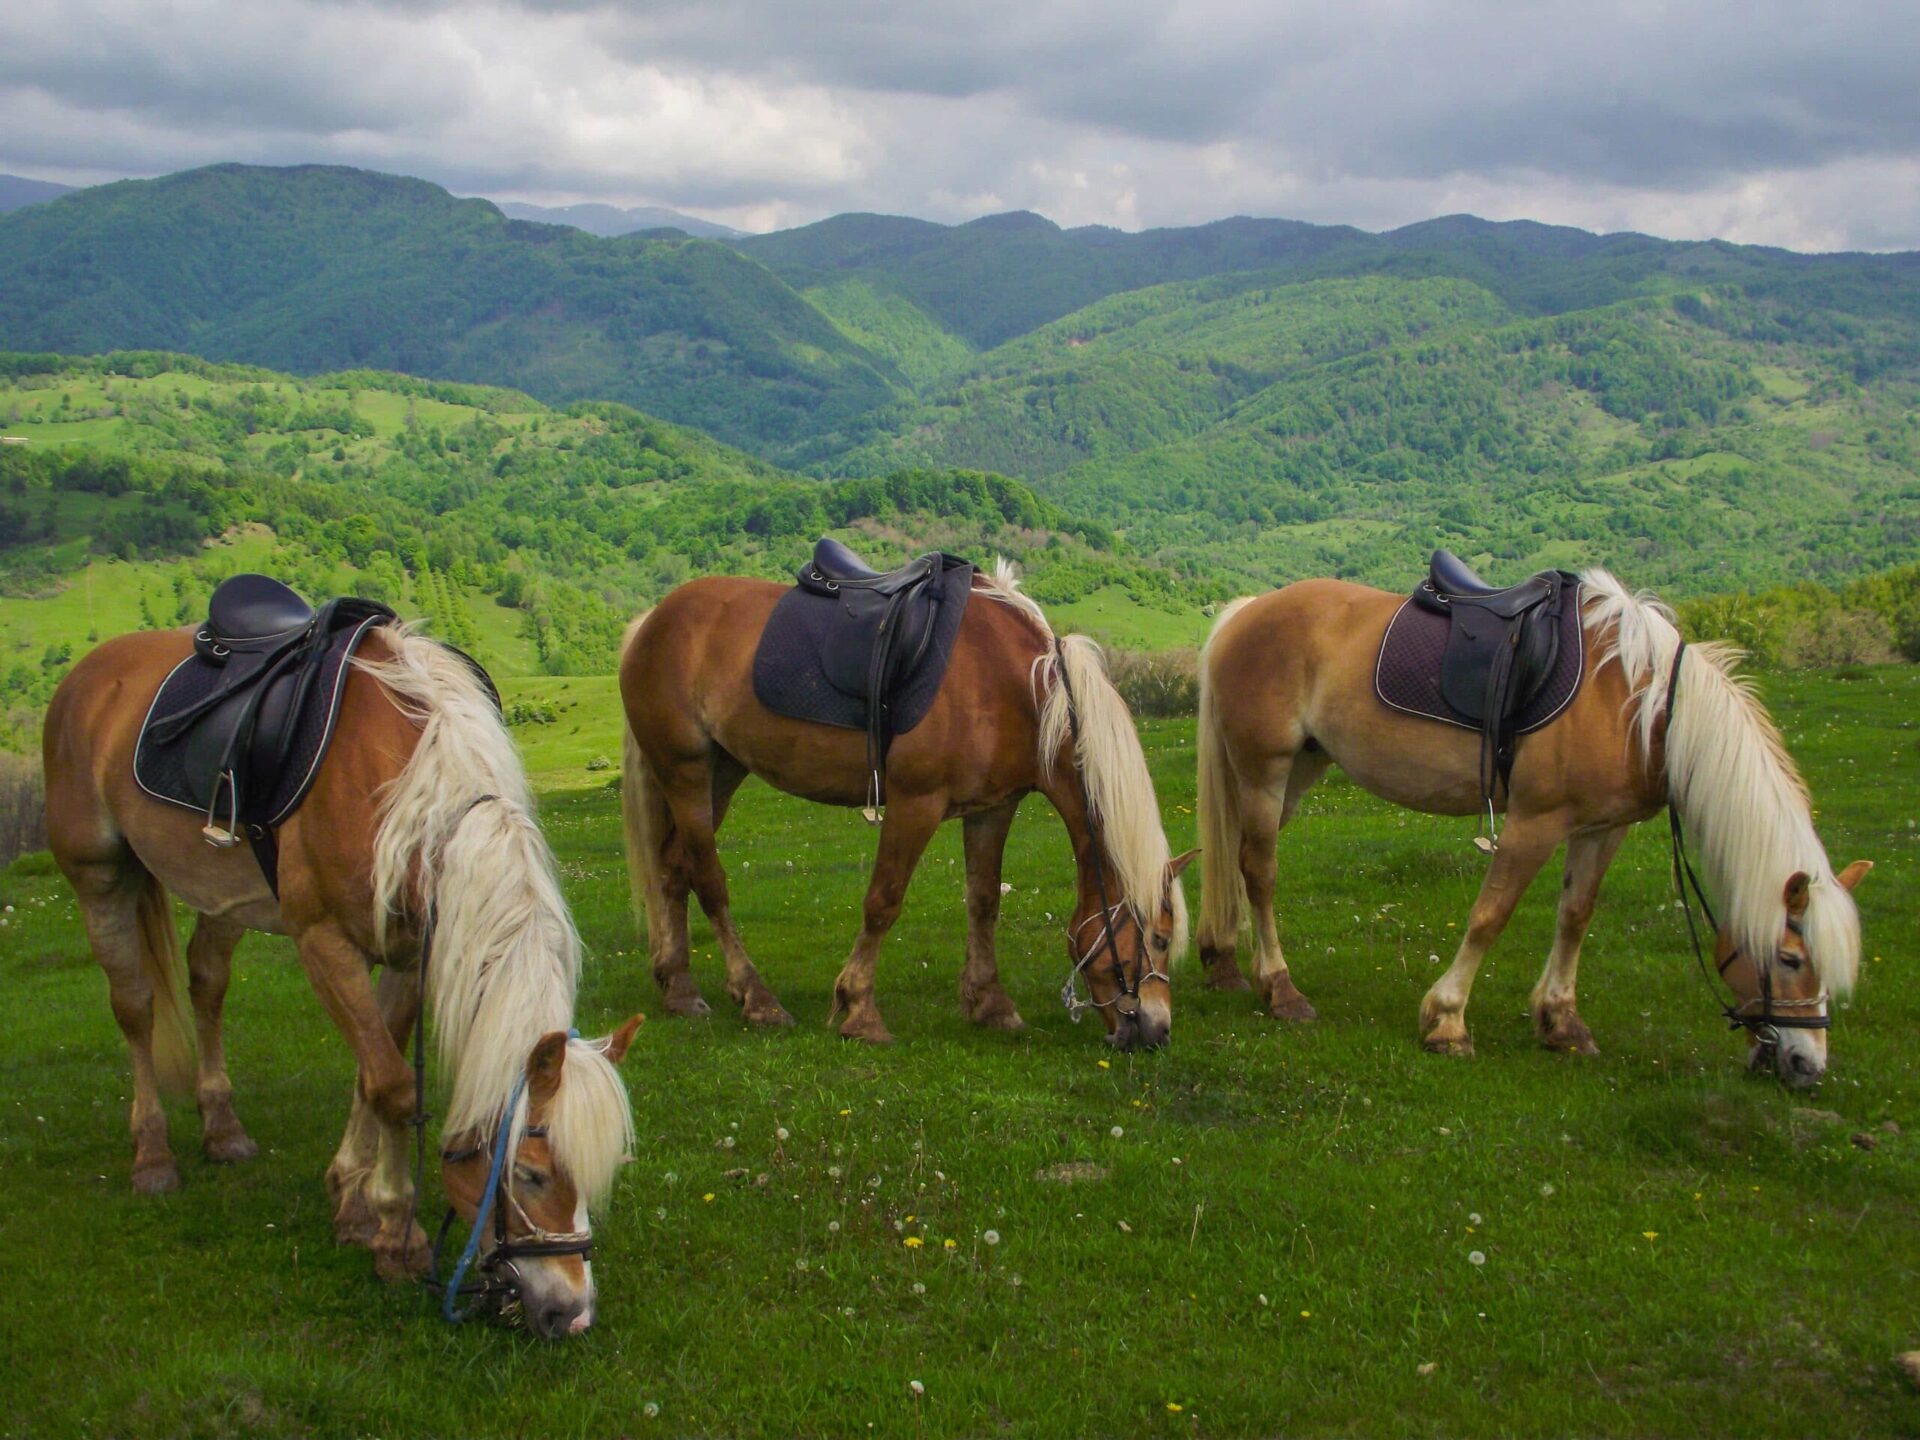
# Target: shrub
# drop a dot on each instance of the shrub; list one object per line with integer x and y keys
{"x": 1163, "y": 683}
{"x": 23, "y": 801}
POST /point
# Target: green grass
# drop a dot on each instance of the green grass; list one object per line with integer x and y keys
{"x": 1670, "y": 1248}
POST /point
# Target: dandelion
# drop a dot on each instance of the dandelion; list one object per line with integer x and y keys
{"x": 1116, "y": 1132}
{"x": 1015, "y": 1282}
{"x": 1104, "y": 1065}
{"x": 801, "y": 1264}
{"x": 1476, "y": 1257}
{"x": 708, "y": 1197}
{"x": 1174, "y": 1407}
{"x": 919, "y": 1288}
{"x": 1473, "y": 1218}
{"x": 659, "y": 1212}
{"x": 949, "y": 1244}
{"x": 833, "y": 1227}
{"x": 1649, "y": 1234}
{"x": 726, "y": 1142}
{"x": 1306, "y": 1314}
{"x": 846, "y": 1112}
{"x": 1427, "y": 1368}
{"x": 781, "y": 1135}
{"x": 1696, "y": 1194}
{"x": 651, "y": 1410}
{"x": 833, "y": 1172}
{"x": 913, "y": 1242}
{"x": 917, "y": 1388}
{"x": 992, "y": 1237}
{"x": 1005, "y": 888}
{"x": 1546, "y": 1189}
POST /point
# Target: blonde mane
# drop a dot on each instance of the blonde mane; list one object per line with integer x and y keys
{"x": 1113, "y": 767}
{"x": 506, "y": 958}
{"x": 1740, "y": 796}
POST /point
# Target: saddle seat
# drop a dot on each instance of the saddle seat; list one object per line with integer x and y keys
{"x": 248, "y": 611}
{"x": 835, "y": 567}
{"x": 1451, "y": 580}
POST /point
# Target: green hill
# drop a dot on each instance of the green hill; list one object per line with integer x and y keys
{"x": 320, "y": 268}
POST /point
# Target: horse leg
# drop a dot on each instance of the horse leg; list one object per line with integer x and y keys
{"x": 1525, "y": 846}
{"x": 694, "y": 825}
{"x": 983, "y": 998}
{"x": 1264, "y": 811}
{"x": 1554, "y": 1012}
{"x": 209, "y": 966}
{"x": 903, "y": 836}
{"x": 368, "y": 1181}
{"x": 109, "y": 893}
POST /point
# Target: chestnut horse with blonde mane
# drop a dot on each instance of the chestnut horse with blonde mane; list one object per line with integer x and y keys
{"x": 1017, "y": 711}
{"x": 420, "y": 807}
{"x": 1286, "y": 690}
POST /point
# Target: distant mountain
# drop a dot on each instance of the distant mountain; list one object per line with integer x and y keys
{"x": 609, "y": 221}
{"x": 17, "y": 192}
{"x": 318, "y": 268}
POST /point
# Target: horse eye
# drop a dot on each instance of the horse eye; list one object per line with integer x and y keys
{"x": 1792, "y": 962}
{"x": 529, "y": 1177}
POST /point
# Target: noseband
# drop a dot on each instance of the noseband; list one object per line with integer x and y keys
{"x": 1773, "y": 1015}
{"x": 489, "y": 1284}
{"x": 1127, "y": 1001}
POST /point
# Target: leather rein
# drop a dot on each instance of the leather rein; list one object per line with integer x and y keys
{"x": 1764, "y": 1027}
{"x": 1127, "y": 1000}
{"x": 496, "y": 1282}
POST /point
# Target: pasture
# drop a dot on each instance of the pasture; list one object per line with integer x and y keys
{"x": 1260, "y": 1230}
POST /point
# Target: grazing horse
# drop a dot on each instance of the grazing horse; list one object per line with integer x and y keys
{"x": 420, "y": 808}
{"x": 1287, "y": 689}
{"x": 1019, "y": 710}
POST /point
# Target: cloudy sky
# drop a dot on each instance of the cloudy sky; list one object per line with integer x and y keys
{"x": 1789, "y": 124}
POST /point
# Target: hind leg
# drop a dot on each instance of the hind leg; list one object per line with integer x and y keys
{"x": 984, "y": 999}
{"x": 1265, "y": 811}
{"x": 368, "y": 1181}
{"x": 109, "y": 904}
{"x": 209, "y": 966}
{"x": 1555, "y": 1014}
{"x": 699, "y": 802}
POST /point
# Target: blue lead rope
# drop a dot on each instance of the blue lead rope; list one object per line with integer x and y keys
{"x": 449, "y": 1298}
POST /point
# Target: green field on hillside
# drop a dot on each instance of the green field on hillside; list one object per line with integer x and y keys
{"x": 1260, "y": 1230}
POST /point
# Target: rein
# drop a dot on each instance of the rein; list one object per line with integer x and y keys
{"x": 498, "y": 1194}
{"x": 1129, "y": 992}
{"x": 1766, "y": 1026}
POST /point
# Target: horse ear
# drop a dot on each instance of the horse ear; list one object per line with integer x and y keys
{"x": 1796, "y": 894}
{"x": 617, "y": 1043}
{"x": 1179, "y": 863}
{"x": 544, "y": 1066}
{"x": 1854, "y": 874}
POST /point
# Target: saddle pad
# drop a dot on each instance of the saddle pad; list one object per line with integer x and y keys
{"x": 789, "y": 669}
{"x": 162, "y": 770}
{"x": 1407, "y": 674}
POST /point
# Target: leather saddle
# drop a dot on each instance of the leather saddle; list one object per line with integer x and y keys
{"x": 1501, "y": 647}
{"x": 238, "y": 729}
{"x": 884, "y": 629}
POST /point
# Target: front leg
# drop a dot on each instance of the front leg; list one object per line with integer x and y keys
{"x": 982, "y": 996}
{"x": 1524, "y": 848}
{"x": 909, "y": 825}
{"x": 1555, "y": 1015}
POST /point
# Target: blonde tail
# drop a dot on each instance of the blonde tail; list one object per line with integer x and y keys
{"x": 1223, "y": 890}
{"x": 644, "y": 816}
{"x": 175, "y": 1055}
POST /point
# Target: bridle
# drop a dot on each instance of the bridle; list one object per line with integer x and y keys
{"x": 1773, "y": 1015}
{"x": 496, "y": 1281}
{"x": 1126, "y": 1000}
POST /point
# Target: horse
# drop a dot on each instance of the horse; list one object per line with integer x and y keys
{"x": 420, "y": 811}
{"x": 1019, "y": 710}
{"x": 1286, "y": 690}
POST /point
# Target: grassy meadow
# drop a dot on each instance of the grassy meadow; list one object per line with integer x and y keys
{"x": 1261, "y": 1230}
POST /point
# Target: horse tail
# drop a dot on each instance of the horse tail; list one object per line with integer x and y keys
{"x": 175, "y": 1060}
{"x": 643, "y": 816}
{"x": 1223, "y": 889}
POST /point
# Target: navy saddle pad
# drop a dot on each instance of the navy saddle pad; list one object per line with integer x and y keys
{"x": 289, "y": 731}
{"x": 1407, "y": 675}
{"x": 812, "y": 659}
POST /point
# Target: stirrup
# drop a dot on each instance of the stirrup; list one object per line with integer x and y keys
{"x": 210, "y": 832}
{"x": 874, "y": 812}
{"x": 1488, "y": 843}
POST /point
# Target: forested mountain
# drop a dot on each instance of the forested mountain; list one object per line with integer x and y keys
{"x": 17, "y": 191}
{"x": 611, "y": 220}
{"x": 320, "y": 268}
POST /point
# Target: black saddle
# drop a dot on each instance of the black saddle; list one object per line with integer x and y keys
{"x": 238, "y": 729}
{"x": 1496, "y": 660}
{"x": 876, "y": 639}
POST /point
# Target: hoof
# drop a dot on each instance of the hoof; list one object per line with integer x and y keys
{"x": 394, "y": 1261}
{"x": 1284, "y": 1002}
{"x": 1224, "y": 973}
{"x": 354, "y": 1222}
{"x": 1569, "y": 1037}
{"x": 692, "y": 1007}
{"x": 159, "y": 1178}
{"x": 229, "y": 1149}
{"x": 770, "y": 1015}
{"x": 1461, "y": 1045}
{"x": 1006, "y": 1020}
{"x": 870, "y": 1030}
{"x": 992, "y": 1010}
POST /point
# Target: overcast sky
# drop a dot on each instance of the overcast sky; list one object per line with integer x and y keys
{"x": 1788, "y": 124}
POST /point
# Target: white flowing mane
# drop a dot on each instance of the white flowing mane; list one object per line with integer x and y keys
{"x": 1113, "y": 766}
{"x": 506, "y": 958}
{"x": 1745, "y": 807}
